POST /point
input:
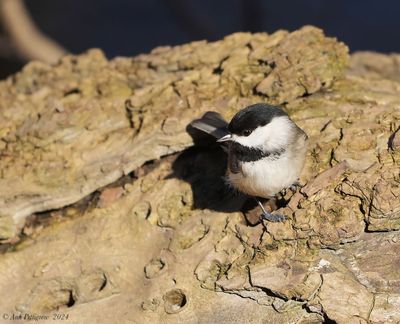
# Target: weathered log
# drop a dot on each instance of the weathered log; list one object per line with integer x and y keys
{"x": 166, "y": 235}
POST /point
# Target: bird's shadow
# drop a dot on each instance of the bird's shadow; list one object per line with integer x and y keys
{"x": 203, "y": 166}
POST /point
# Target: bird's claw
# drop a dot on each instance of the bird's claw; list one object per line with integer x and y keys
{"x": 293, "y": 188}
{"x": 296, "y": 185}
{"x": 275, "y": 218}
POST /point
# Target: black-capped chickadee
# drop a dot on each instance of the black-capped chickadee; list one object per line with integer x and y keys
{"x": 266, "y": 150}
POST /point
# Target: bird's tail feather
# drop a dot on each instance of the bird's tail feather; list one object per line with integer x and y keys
{"x": 211, "y": 123}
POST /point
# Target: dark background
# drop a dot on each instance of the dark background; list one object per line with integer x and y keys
{"x": 130, "y": 27}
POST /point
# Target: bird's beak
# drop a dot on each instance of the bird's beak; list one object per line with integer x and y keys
{"x": 225, "y": 138}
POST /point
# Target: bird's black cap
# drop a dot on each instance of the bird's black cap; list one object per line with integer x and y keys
{"x": 254, "y": 116}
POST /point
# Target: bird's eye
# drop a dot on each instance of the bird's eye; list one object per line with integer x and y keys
{"x": 246, "y": 132}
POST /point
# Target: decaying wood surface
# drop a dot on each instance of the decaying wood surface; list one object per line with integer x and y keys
{"x": 110, "y": 207}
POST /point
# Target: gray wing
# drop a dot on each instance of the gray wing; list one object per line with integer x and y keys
{"x": 211, "y": 123}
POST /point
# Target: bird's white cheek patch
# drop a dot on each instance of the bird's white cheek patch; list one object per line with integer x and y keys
{"x": 274, "y": 135}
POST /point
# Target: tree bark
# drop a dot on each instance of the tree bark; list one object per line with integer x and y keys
{"x": 125, "y": 214}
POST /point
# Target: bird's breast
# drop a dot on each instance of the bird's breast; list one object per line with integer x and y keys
{"x": 268, "y": 176}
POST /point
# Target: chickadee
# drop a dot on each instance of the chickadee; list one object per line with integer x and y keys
{"x": 266, "y": 150}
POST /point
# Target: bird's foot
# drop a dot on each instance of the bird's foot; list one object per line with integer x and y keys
{"x": 296, "y": 185}
{"x": 292, "y": 189}
{"x": 275, "y": 218}
{"x": 269, "y": 216}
